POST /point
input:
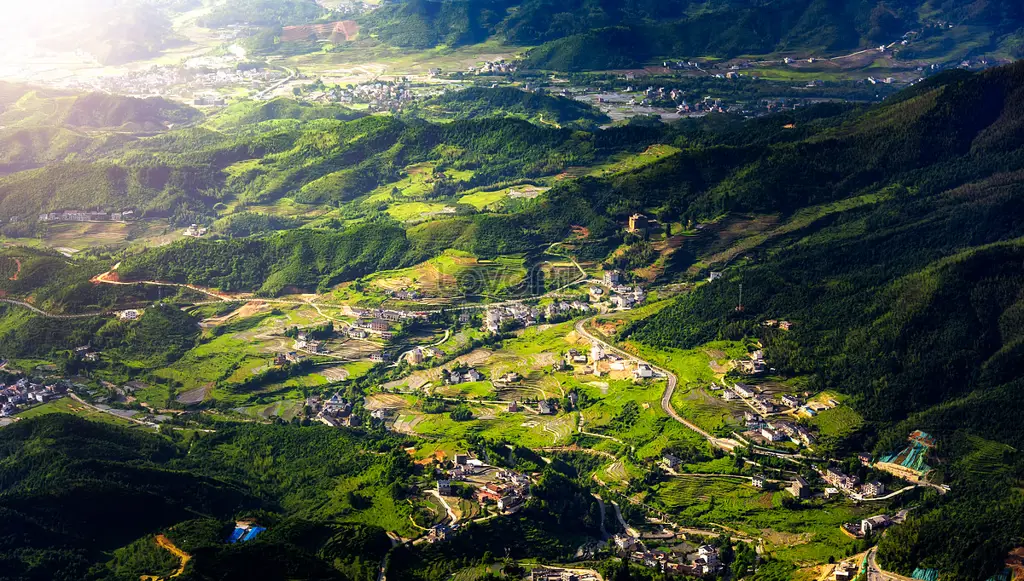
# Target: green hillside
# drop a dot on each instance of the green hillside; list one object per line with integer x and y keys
{"x": 31, "y": 107}
{"x": 908, "y": 303}
{"x": 99, "y": 110}
{"x": 321, "y": 161}
{"x": 244, "y": 113}
{"x": 587, "y": 34}
{"x": 56, "y": 501}
{"x": 60, "y": 473}
{"x": 507, "y": 101}
{"x": 272, "y": 13}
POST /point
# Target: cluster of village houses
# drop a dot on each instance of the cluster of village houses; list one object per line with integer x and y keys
{"x": 554, "y": 574}
{"x": 388, "y": 96}
{"x": 405, "y": 295}
{"x": 380, "y": 323}
{"x": 304, "y": 341}
{"x": 559, "y": 308}
{"x": 705, "y": 562}
{"x": 507, "y": 491}
{"x": 180, "y": 81}
{"x": 653, "y": 95}
{"x": 24, "y": 393}
{"x": 524, "y": 315}
{"x": 775, "y": 430}
{"x": 87, "y": 216}
{"x": 838, "y": 483}
{"x": 196, "y": 231}
{"x": 335, "y": 411}
{"x": 622, "y": 297}
{"x": 778, "y": 430}
{"x": 851, "y": 485}
{"x": 456, "y": 376}
{"x": 371, "y": 323}
{"x": 392, "y": 315}
{"x": 598, "y": 362}
{"x": 753, "y": 365}
{"x": 498, "y": 67}
{"x": 762, "y": 405}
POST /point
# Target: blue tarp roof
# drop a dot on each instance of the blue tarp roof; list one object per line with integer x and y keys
{"x": 252, "y": 533}
{"x": 236, "y": 535}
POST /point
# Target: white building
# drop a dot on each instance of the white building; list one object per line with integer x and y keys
{"x": 643, "y": 371}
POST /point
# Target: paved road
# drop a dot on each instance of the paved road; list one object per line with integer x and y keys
{"x": 451, "y": 513}
{"x": 604, "y": 532}
{"x": 727, "y": 444}
{"x": 622, "y": 522}
{"x": 39, "y": 311}
{"x": 876, "y": 573}
{"x": 111, "y": 411}
{"x": 221, "y": 297}
{"x": 268, "y": 92}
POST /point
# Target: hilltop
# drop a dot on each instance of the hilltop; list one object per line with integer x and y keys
{"x": 26, "y": 106}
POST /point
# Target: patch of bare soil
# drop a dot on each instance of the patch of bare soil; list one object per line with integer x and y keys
{"x": 779, "y": 538}
{"x": 380, "y": 401}
{"x": 196, "y": 395}
{"x": 475, "y": 357}
{"x": 334, "y": 373}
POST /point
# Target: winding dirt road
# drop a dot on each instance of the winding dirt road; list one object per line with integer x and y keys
{"x": 48, "y": 315}
{"x": 727, "y": 444}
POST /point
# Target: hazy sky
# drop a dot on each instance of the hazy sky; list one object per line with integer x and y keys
{"x": 26, "y": 17}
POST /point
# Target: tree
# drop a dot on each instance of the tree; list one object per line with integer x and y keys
{"x": 621, "y": 572}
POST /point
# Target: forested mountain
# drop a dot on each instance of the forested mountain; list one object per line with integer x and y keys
{"x": 324, "y": 160}
{"x": 41, "y": 126}
{"x": 954, "y": 131}
{"x": 909, "y": 301}
{"x": 62, "y": 479}
{"x": 272, "y": 13}
{"x": 25, "y": 106}
{"x": 587, "y": 34}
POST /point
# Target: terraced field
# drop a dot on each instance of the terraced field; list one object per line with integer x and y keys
{"x": 454, "y": 273}
{"x": 805, "y": 536}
